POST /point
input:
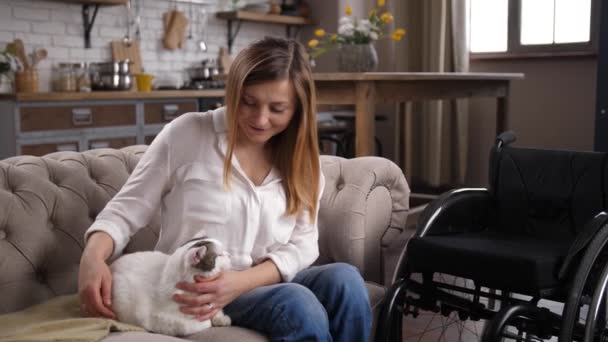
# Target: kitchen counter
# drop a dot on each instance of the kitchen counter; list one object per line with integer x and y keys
{"x": 45, "y": 122}
{"x": 111, "y": 95}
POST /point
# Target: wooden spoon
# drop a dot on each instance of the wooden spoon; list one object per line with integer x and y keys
{"x": 20, "y": 49}
{"x": 38, "y": 55}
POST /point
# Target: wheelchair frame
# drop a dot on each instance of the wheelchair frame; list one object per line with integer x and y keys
{"x": 407, "y": 295}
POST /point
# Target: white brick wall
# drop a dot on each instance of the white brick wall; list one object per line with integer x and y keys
{"x": 58, "y": 27}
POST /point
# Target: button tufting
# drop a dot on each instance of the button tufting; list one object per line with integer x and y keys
{"x": 340, "y": 186}
{"x": 2, "y": 235}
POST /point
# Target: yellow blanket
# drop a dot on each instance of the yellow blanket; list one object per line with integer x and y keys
{"x": 58, "y": 319}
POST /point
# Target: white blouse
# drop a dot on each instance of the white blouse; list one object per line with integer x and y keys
{"x": 180, "y": 175}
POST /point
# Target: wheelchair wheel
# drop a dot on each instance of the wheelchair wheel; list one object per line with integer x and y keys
{"x": 596, "y": 327}
{"x": 586, "y": 311}
{"x": 519, "y": 323}
{"x": 444, "y": 324}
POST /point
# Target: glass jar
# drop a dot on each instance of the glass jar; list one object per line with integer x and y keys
{"x": 83, "y": 78}
{"x": 64, "y": 78}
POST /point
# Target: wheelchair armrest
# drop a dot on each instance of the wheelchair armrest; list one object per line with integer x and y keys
{"x": 464, "y": 209}
{"x": 455, "y": 211}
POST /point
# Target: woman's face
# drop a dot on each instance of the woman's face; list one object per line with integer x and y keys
{"x": 265, "y": 110}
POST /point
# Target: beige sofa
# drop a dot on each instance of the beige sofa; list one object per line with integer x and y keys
{"x": 47, "y": 203}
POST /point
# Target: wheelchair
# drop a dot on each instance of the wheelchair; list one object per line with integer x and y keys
{"x": 524, "y": 260}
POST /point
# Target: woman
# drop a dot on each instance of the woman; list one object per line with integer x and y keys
{"x": 248, "y": 175}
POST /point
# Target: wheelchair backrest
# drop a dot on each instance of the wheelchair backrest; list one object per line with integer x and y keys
{"x": 547, "y": 193}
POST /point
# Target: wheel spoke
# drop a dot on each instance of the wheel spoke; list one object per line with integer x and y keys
{"x": 438, "y": 327}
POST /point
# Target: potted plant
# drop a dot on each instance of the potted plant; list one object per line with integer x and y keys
{"x": 8, "y": 65}
{"x": 355, "y": 38}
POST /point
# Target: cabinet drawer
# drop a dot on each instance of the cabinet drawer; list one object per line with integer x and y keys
{"x": 42, "y": 149}
{"x": 70, "y": 117}
{"x": 167, "y": 111}
{"x": 112, "y": 142}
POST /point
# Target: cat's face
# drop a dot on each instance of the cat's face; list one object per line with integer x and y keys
{"x": 207, "y": 255}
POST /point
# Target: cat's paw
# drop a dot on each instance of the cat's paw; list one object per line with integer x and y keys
{"x": 221, "y": 320}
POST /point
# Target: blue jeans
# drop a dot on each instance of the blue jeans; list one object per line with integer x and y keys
{"x": 322, "y": 303}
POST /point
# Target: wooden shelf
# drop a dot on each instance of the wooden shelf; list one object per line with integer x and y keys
{"x": 240, "y": 16}
{"x": 88, "y": 15}
{"x": 111, "y": 95}
{"x": 94, "y": 2}
{"x": 264, "y": 18}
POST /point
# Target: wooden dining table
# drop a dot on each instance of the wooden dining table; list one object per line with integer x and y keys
{"x": 365, "y": 90}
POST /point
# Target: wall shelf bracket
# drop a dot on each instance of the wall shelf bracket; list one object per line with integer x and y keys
{"x": 88, "y": 19}
{"x": 232, "y": 35}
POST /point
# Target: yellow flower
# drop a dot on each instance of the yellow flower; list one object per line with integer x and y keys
{"x": 400, "y": 32}
{"x": 386, "y": 18}
{"x": 396, "y": 37}
{"x": 381, "y": 3}
{"x": 313, "y": 43}
{"x": 320, "y": 33}
{"x": 372, "y": 13}
{"x": 348, "y": 10}
{"x": 333, "y": 37}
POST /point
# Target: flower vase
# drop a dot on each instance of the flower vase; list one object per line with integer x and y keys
{"x": 6, "y": 84}
{"x": 357, "y": 58}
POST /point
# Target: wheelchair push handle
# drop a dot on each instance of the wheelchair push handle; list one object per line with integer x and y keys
{"x": 504, "y": 139}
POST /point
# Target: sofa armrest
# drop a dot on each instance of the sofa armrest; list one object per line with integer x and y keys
{"x": 363, "y": 208}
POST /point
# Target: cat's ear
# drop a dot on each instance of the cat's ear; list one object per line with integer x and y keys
{"x": 198, "y": 255}
{"x": 201, "y": 251}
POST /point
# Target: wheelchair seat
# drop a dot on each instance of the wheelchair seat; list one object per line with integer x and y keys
{"x": 539, "y": 231}
{"x": 497, "y": 260}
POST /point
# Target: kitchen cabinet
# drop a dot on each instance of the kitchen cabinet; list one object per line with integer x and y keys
{"x": 41, "y": 123}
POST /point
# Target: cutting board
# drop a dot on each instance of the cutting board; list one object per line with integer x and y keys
{"x": 120, "y": 51}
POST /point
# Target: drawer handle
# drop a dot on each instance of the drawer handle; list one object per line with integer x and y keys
{"x": 170, "y": 112}
{"x": 99, "y": 144}
{"x": 82, "y": 116}
{"x": 67, "y": 147}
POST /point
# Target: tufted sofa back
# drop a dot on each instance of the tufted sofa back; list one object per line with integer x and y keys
{"x": 47, "y": 203}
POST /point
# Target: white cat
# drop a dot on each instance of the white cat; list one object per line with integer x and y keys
{"x": 144, "y": 283}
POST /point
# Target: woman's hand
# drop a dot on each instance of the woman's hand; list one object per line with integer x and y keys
{"x": 95, "y": 288}
{"x": 95, "y": 277}
{"x": 206, "y": 296}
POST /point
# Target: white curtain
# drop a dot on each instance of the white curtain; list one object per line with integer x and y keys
{"x": 433, "y": 135}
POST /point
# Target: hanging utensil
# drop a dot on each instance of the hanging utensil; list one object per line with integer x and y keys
{"x": 127, "y": 39}
{"x": 138, "y": 20}
{"x": 191, "y": 22}
{"x": 202, "y": 44}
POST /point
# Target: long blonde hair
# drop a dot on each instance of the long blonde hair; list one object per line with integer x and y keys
{"x": 296, "y": 149}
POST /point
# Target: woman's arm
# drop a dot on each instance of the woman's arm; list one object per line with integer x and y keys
{"x": 95, "y": 278}
{"x": 302, "y": 249}
{"x": 99, "y": 246}
{"x": 223, "y": 289}
{"x": 139, "y": 198}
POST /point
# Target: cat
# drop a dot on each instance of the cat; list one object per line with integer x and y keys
{"x": 143, "y": 284}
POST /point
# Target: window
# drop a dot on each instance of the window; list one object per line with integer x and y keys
{"x": 529, "y": 27}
